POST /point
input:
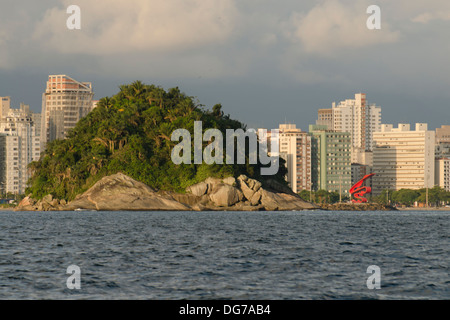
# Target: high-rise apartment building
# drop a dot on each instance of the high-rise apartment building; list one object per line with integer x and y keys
{"x": 443, "y": 134}
{"x": 325, "y": 118}
{"x": 357, "y": 117}
{"x": 442, "y": 142}
{"x": 442, "y": 156}
{"x": 64, "y": 102}
{"x": 331, "y": 160}
{"x": 295, "y": 148}
{"x": 19, "y": 145}
{"x": 403, "y": 158}
{"x": 442, "y": 150}
{"x": 442, "y": 173}
{"x": 5, "y": 105}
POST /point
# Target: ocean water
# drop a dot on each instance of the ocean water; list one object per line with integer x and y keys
{"x": 224, "y": 255}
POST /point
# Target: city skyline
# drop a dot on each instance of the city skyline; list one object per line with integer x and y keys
{"x": 301, "y": 123}
{"x": 347, "y": 142}
{"x": 280, "y": 62}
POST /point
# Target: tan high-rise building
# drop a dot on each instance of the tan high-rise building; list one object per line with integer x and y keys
{"x": 295, "y": 148}
{"x": 64, "y": 103}
{"x": 442, "y": 173}
{"x": 325, "y": 118}
{"x": 403, "y": 158}
{"x": 442, "y": 142}
{"x": 5, "y": 105}
{"x": 443, "y": 134}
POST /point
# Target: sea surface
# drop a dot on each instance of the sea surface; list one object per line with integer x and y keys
{"x": 225, "y": 255}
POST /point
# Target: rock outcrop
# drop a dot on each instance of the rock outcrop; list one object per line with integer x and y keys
{"x": 121, "y": 193}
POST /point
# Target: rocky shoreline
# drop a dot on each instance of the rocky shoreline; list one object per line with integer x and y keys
{"x": 119, "y": 192}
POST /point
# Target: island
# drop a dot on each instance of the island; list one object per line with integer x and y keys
{"x": 118, "y": 157}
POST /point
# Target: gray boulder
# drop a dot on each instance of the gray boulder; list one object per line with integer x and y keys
{"x": 230, "y": 181}
{"x": 120, "y": 192}
{"x": 283, "y": 202}
{"x": 225, "y": 196}
{"x": 246, "y": 190}
{"x": 198, "y": 189}
{"x": 254, "y": 201}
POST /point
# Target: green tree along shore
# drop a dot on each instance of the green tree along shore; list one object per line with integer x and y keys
{"x": 131, "y": 133}
{"x": 436, "y": 197}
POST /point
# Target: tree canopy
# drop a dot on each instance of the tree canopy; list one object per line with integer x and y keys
{"x": 408, "y": 197}
{"x": 131, "y": 133}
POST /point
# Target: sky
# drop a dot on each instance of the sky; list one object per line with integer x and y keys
{"x": 267, "y": 62}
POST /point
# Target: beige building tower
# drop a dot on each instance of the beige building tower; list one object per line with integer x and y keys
{"x": 403, "y": 158}
{"x": 5, "y": 105}
{"x": 295, "y": 148}
{"x": 64, "y": 103}
{"x": 442, "y": 173}
{"x": 325, "y": 118}
{"x": 443, "y": 134}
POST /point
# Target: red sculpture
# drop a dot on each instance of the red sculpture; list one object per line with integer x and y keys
{"x": 358, "y": 192}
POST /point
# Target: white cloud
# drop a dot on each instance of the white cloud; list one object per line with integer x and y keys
{"x": 430, "y": 16}
{"x": 117, "y": 26}
{"x": 268, "y": 39}
{"x": 332, "y": 26}
{"x": 3, "y": 35}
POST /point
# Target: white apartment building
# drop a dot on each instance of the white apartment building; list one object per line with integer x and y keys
{"x": 64, "y": 102}
{"x": 357, "y": 117}
{"x": 442, "y": 173}
{"x": 361, "y": 120}
{"x": 19, "y": 145}
{"x": 295, "y": 148}
{"x": 403, "y": 158}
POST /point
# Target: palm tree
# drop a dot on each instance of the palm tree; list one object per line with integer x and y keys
{"x": 165, "y": 131}
{"x": 186, "y": 107}
{"x": 105, "y": 102}
{"x": 158, "y": 95}
{"x": 171, "y": 115}
{"x": 217, "y": 110}
{"x": 155, "y": 137}
{"x": 154, "y": 114}
{"x": 137, "y": 88}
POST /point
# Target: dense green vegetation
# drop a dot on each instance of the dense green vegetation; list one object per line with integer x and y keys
{"x": 131, "y": 133}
